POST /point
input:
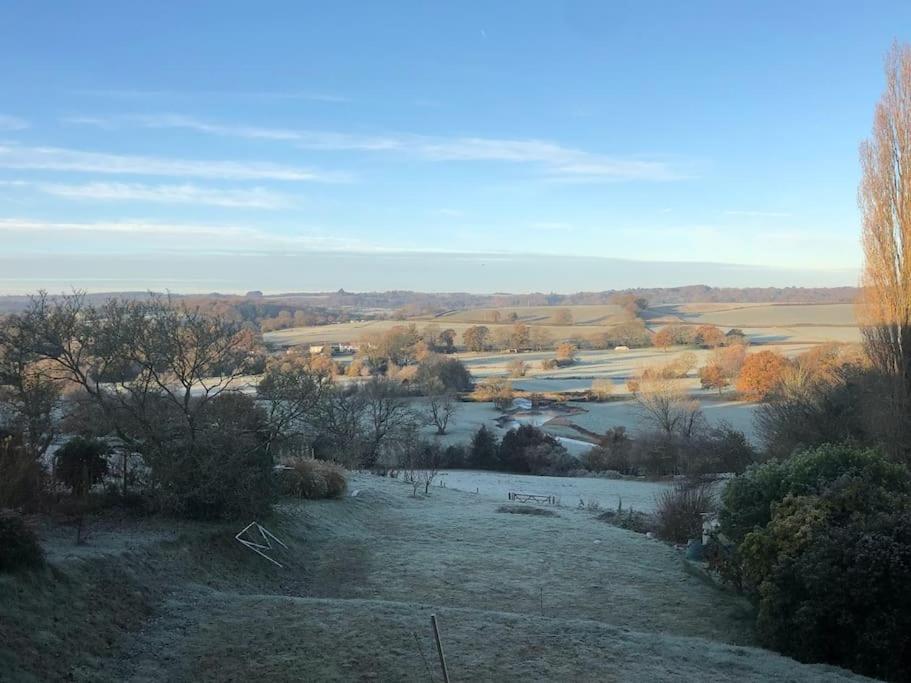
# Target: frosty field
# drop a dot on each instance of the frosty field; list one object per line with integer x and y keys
{"x": 517, "y": 596}
{"x": 607, "y": 493}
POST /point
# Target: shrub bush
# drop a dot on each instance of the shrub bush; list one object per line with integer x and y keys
{"x": 678, "y": 511}
{"x": 517, "y": 452}
{"x": 22, "y": 478}
{"x": 312, "y": 479}
{"x": 450, "y": 372}
{"x": 550, "y": 459}
{"x": 613, "y": 453}
{"x": 226, "y": 472}
{"x": 19, "y": 547}
{"x": 81, "y": 463}
{"x": 484, "y": 452}
{"x": 822, "y": 544}
{"x": 844, "y": 598}
{"x": 747, "y": 501}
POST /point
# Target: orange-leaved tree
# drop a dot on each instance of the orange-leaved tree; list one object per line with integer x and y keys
{"x": 761, "y": 374}
{"x": 885, "y": 204}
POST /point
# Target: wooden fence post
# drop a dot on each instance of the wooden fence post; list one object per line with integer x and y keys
{"x": 436, "y": 637}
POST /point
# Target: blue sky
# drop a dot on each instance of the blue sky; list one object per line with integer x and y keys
{"x": 290, "y": 146}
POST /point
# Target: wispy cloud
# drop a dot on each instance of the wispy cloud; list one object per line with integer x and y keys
{"x": 552, "y": 226}
{"x": 758, "y": 214}
{"x": 556, "y": 161}
{"x": 188, "y": 234}
{"x": 129, "y": 93}
{"x": 58, "y": 159}
{"x": 252, "y": 198}
{"x": 8, "y": 123}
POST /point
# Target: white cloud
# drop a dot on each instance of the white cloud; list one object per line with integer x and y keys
{"x": 253, "y": 198}
{"x": 127, "y": 93}
{"x": 557, "y": 161}
{"x": 8, "y": 123}
{"x": 758, "y": 214}
{"x": 188, "y": 234}
{"x": 553, "y": 226}
{"x": 59, "y": 159}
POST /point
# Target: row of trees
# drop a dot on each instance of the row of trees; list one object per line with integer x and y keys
{"x": 703, "y": 336}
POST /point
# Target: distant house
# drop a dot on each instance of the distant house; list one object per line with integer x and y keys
{"x": 333, "y": 349}
{"x": 621, "y": 348}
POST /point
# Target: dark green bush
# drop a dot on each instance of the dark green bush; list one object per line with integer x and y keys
{"x": 19, "y": 547}
{"x": 612, "y": 454}
{"x": 81, "y": 463}
{"x": 822, "y": 544}
{"x": 845, "y": 598}
{"x": 747, "y": 500}
{"x": 518, "y": 451}
{"x": 484, "y": 451}
{"x": 225, "y": 472}
{"x": 450, "y": 373}
{"x": 22, "y": 477}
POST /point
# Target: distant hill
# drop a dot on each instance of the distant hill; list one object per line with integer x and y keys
{"x": 419, "y": 303}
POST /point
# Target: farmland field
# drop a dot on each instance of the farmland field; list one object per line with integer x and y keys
{"x": 605, "y": 314}
{"x": 788, "y": 329}
{"x": 756, "y": 315}
{"x": 607, "y": 493}
{"x": 763, "y": 323}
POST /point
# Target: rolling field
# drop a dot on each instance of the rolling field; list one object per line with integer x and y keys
{"x": 756, "y": 315}
{"x": 606, "y": 314}
{"x": 345, "y": 332}
{"x": 763, "y": 323}
{"x": 788, "y": 329}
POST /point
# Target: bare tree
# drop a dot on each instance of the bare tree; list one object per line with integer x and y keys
{"x": 664, "y": 405}
{"x": 388, "y": 416}
{"x": 885, "y": 203}
{"x": 291, "y": 390}
{"x": 442, "y": 406}
{"x": 26, "y": 387}
{"x": 420, "y": 465}
{"x": 135, "y": 358}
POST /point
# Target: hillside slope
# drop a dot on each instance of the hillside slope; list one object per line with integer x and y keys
{"x": 545, "y": 598}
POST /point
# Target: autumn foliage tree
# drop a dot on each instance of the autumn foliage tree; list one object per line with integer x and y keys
{"x": 709, "y": 336}
{"x": 476, "y": 337}
{"x": 566, "y": 352}
{"x": 761, "y": 374}
{"x": 664, "y": 338}
{"x": 712, "y": 377}
{"x": 885, "y": 204}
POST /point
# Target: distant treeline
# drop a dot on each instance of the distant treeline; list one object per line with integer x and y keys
{"x": 329, "y": 306}
{"x": 423, "y": 303}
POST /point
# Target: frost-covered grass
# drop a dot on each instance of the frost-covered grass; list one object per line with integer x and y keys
{"x": 608, "y": 493}
{"x": 517, "y": 596}
{"x": 595, "y": 417}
